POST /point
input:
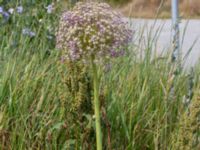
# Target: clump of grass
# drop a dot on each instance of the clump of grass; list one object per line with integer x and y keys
{"x": 189, "y": 126}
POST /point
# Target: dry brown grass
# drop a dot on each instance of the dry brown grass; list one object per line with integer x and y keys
{"x": 152, "y": 8}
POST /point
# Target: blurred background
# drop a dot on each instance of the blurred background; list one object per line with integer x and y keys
{"x": 152, "y": 8}
{"x": 162, "y": 8}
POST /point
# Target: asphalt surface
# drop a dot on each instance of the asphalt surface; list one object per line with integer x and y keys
{"x": 160, "y": 32}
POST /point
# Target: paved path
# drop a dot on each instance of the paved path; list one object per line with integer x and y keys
{"x": 164, "y": 39}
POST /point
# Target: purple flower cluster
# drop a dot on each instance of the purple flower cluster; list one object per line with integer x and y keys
{"x": 50, "y": 8}
{"x": 20, "y": 9}
{"x": 27, "y": 31}
{"x": 7, "y": 14}
{"x": 4, "y": 14}
{"x": 93, "y": 30}
{"x": 1, "y": 9}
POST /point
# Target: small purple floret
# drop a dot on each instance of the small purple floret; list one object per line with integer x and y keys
{"x": 6, "y": 15}
{"x": 49, "y": 8}
{"x": 20, "y": 9}
{"x": 1, "y": 10}
{"x": 28, "y": 32}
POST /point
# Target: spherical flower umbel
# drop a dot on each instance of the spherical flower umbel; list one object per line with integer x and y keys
{"x": 92, "y": 30}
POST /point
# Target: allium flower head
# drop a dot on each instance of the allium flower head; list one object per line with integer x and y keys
{"x": 92, "y": 30}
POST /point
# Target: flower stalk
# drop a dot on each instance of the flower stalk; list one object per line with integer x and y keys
{"x": 97, "y": 105}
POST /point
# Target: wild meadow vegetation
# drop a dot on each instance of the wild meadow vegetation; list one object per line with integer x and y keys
{"x": 47, "y": 102}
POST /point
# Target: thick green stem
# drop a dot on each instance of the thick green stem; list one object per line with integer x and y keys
{"x": 97, "y": 106}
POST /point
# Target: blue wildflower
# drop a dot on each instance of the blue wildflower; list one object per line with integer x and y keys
{"x": 28, "y": 32}
{"x": 6, "y": 15}
{"x": 49, "y": 8}
{"x": 20, "y": 9}
{"x": 1, "y": 10}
